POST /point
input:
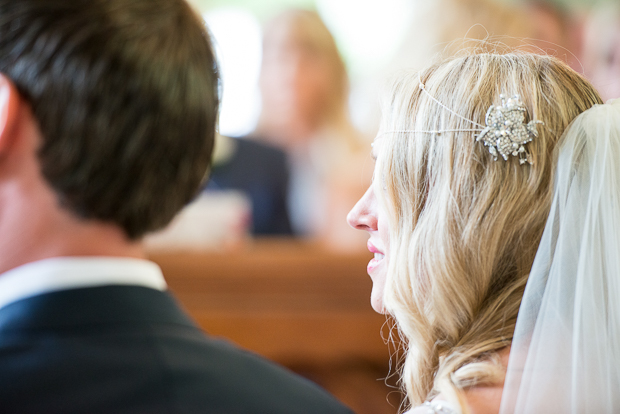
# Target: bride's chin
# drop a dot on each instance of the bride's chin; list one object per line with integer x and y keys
{"x": 378, "y": 276}
{"x": 376, "y": 301}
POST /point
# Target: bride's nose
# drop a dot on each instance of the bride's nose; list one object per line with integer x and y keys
{"x": 363, "y": 216}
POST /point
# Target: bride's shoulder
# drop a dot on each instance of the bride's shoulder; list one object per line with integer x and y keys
{"x": 435, "y": 407}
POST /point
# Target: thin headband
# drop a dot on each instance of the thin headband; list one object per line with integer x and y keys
{"x": 505, "y": 132}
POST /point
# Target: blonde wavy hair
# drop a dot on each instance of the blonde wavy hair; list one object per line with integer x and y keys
{"x": 464, "y": 228}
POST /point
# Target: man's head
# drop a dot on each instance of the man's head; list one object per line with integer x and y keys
{"x": 125, "y": 96}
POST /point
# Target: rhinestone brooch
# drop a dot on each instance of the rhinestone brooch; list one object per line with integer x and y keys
{"x": 506, "y": 132}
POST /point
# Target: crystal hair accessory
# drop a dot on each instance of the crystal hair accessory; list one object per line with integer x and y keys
{"x": 505, "y": 132}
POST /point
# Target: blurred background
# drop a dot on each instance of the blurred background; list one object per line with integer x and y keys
{"x": 264, "y": 255}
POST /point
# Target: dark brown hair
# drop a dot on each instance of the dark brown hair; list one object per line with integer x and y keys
{"x": 126, "y": 97}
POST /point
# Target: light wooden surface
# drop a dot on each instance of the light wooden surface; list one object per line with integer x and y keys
{"x": 287, "y": 300}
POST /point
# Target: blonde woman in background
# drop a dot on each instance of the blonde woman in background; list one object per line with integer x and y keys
{"x": 601, "y": 49}
{"x": 455, "y": 219}
{"x": 304, "y": 91}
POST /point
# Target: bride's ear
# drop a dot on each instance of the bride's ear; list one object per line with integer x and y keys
{"x": 10, "y": 101}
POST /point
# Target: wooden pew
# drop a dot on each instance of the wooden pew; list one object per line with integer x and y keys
{"x": 285, "y": 299}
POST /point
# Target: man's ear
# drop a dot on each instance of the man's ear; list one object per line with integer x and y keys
{"x": 9, "y": 108}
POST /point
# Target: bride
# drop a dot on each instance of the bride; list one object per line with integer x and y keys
{"x": 478, "y": 158}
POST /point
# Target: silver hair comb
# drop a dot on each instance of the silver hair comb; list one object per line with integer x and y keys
{"x": 506, "y": 131}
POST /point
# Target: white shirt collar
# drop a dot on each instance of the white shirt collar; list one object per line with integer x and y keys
{"x": 61, "y": 273}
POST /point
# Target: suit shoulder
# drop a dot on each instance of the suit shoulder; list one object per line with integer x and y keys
{"x": 260, "y": 382}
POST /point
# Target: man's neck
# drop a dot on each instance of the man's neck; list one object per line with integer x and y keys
{"x": 34, "y": 227}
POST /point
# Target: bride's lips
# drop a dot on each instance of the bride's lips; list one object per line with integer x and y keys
{"x": 374, "y": 262}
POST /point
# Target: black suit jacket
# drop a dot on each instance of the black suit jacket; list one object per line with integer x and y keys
{"x": 130, "y": 349}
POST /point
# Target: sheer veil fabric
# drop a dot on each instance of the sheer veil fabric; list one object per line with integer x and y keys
{"x": 565, "y": 355}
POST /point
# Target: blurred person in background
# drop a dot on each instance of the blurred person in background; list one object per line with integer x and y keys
{"x": 556, "y": 31}
{"x": 441, "y": 26}
{"x": 261, "y": 172}
{"x": 304, "y": 89}
{"x": 539, "y": 26}
{"x": 601, "y": 49}
{"x": 438, "y": 23}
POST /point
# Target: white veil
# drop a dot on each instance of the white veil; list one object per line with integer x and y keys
{"x": 565, "y": 356}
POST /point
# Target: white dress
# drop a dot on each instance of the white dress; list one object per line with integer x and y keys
{"x": 435, "y": 407}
